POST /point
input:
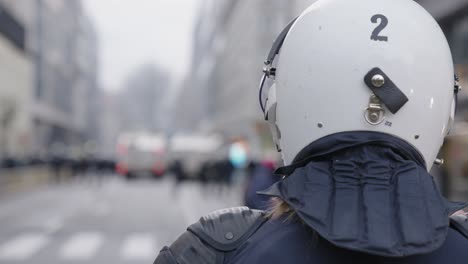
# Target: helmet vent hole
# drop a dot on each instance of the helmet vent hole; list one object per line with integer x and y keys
{"x": 320, "y": 125}
{"x": 416, "y": 137}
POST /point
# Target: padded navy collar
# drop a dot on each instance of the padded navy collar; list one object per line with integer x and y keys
{"x": 373, "y": 195}
{"x": 326, "y": 146}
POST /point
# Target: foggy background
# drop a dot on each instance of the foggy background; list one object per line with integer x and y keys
{"x": 122, "y": 122}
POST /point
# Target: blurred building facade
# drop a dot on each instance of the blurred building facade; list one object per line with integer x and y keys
{"x": 142, "y": 99}
{"x": 16, "y": 75}
{"x": 140, "y": 106}
{"x": 60, "y": 49}
{"x": 111, "y": 124}
{"x": 195, "y": 100}
{"x": 231, "y": 39}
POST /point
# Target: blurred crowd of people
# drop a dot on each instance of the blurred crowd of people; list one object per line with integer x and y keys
{"x": 76, "y": 166}
{"x": 223, "y": 174}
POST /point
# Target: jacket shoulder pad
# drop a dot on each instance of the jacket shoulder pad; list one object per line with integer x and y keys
{"x": 460, "y": 223}
{"x": 226, "y": 229}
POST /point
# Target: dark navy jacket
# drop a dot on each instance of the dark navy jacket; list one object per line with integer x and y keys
{"x": 282, "y": 241}
{"x": 262, "y": 177}
{"x": 359, "y": 198}
{"x": 244, "y": 236}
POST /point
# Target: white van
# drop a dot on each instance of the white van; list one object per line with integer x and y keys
{"x": 140, "y": 154}
{"x": 193, "y": 150}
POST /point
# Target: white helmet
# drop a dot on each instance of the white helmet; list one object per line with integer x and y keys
{"x": 364, "y": 65}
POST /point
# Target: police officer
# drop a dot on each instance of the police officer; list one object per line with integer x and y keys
{"x": 361, "y": 95}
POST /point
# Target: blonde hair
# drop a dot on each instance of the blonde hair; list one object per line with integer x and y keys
{"x": 279, "y": 208}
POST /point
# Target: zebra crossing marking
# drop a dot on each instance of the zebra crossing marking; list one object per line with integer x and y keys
{"x": 139, "y": 247}
{"x": 82, "y": 246}
{"x": 23, "y": 247}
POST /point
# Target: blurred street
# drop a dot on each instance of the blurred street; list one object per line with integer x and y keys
{"x": 101, "y": 221}
{"x": 123, "y": 122}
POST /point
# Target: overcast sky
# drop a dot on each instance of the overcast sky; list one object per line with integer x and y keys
{"x": 134, "y": 32}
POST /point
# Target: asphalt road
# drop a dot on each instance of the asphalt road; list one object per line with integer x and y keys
{"x": 111, "y": 222}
